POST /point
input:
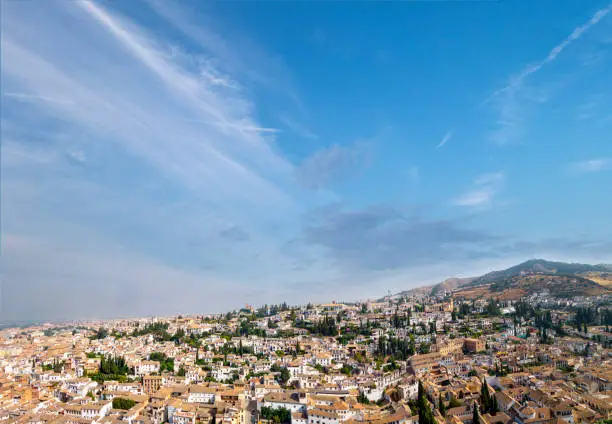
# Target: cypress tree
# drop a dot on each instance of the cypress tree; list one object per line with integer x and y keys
{"x": 476, "y": 415}
{"x": 485, "y": 397}
{"x": 441, "y": 407}
{"x": 494, "y": 406}
{"x": 421, "y": 395}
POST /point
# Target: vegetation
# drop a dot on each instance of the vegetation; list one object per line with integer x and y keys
{"x": 453, "y": 403}
{"x": 56, "y": 366}
{"x": 346, "y": 369}
{"x": 398, "y": 349}
{"x": 476, "y": 414}
{"x": 362, "y": 398}
{"x": 423, "y": 408}
{"x": 325, "y": 327}
{"x": 488, "y": 401}
{"x": 165, "y": 363}
{"x": 111, "y": 368}
{"x": 276, "y": 415}
{"x": 122, "y": 403}
{"x": 441, "y": 406}
{"x": 101, "y": 333}
{"x": 266, "y": 310}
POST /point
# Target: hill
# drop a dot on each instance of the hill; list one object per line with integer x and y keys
{"x": 541, "y": 266}
{"x": 561, "y": 279}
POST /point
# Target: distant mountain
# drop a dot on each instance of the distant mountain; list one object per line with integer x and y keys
{"x": 542, "y": 266}
{"x": 451, "y": 284}
{"x": 536, "y": 275}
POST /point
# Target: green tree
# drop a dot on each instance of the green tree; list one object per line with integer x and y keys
{"x": 494, "y": 409}
{"x": 361, "y": 398}
{"x": 441, "y": 406}
{"x": 485, "y": 397}
{"x": 453, "y": 403}
{"x": 276, "y": 415}
{"x": 423, "y": 408}
{"x": 476, "y": 414}
{"x": 121, "y": 403}
{"x": 285, "y": 375}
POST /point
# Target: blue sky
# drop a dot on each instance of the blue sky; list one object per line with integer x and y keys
{"x": 180, "y": 157}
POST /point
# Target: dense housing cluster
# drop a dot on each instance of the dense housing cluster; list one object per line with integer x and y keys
{"x": 432, "y": 357}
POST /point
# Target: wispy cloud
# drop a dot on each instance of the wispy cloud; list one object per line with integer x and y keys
{"x": 382, "y": 238}
{"x": 233, "y": 53}
{"x": 34, "y": 98}
{"x": 509, "y": 99}
{"x": 146, "y": 127}
{"x": 517, "y": 80}
{"x": 445, "y": 139}
{"x": 482, "y": 191}
{"x": 298, "y": 128}
{"x": 332, "y": 164}
{"x": 154, "y": 151}
{"x": 592, "y": 165}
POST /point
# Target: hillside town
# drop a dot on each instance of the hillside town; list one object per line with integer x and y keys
{"x": 405, "y": 359}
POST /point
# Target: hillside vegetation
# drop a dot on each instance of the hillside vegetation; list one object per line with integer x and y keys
{"x": 560, "y": 279}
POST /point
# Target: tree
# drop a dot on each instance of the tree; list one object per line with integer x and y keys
{"x": 494, "y": 406}
{"x": 453, "y": 403}
{"x": 58, "y": 366}
{"x": 362, "y": 398}
{"x": 121, "y": 403}
{"x": 485, "y": 397}
{"x": 101, "y": 333}
{"x": 285, "y": 375}
{"x": 441, "y": 406}
{"x": 181, "y": 372}
{"x": 423, "y": 408}
{"x": 476, "y": 414}
{"x": 420, "y": 393}
{"x": 276, "y": 415}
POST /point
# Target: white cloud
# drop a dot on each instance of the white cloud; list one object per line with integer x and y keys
{"x": 593, "y": 165}
{"x": 517, "y": 80}
{"x": 482, "y": 191}
{"x": 34, "y": 98}
{"x": 510, "y": 98}
{"x": 116, "y": 142}
{"x": 143, "y": 117}
{"x": 445, "y": 139}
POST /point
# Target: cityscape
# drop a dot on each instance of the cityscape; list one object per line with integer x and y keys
{"x": 477, "y": 353}
{"x": 305, "y": 212}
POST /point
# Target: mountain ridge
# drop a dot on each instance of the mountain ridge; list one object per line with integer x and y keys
{"x": 587, "y": 279}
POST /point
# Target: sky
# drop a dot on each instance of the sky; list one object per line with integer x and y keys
{"x": 192, "y": 157}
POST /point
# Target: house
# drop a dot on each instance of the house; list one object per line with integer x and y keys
{"x": 291, "y": 401}
{"x": 147, "y": 367}
{"x": 321, "y": 416}
{"x": 201, "y": 394}
{"x": 183, "y": 417}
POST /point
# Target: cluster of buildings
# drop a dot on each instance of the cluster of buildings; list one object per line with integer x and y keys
{"x": 316, "y": 364}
